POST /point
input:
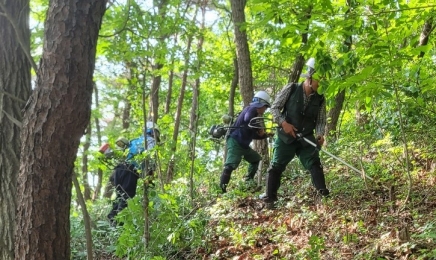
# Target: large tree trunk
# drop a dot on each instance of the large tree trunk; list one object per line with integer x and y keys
{"x": 14, "y": 91}
{"x": 53, "y": 124}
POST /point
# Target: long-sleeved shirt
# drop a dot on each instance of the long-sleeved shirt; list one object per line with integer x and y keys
{"x": 242, "y": 133}
{"x": 283, "y": 96}
{"x": 137, "y": 146}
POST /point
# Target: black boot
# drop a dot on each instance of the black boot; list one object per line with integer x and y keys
{"x": 272, "y": 186}
{"x": 318, "y": 179}
{"x": 225, "y": 178}
{"x": 252, "y": 169}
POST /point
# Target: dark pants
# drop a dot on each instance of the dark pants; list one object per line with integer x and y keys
{"x": 125, "y": 179}
{"x": 119, "y": 204}
{"x": 283, "y": 154}
{"x": 235, "y": 153}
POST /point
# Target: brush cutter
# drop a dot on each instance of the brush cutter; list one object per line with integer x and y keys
{"x": 317, "y": 147}
{"x": 218, "y": 131}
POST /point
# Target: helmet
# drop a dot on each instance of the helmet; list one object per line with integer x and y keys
{"x": 310, "y": 68}
{"x": 151, "y": 125}
{"x": 152, "y": 129}
{"x": 311, "y": 63}
{"x": 122, "y": 142}
{"x": 260, "y": 99}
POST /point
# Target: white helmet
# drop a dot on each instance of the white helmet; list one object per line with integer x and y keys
{"x": 151, "y": 125}
{"x": 311, "y": 63}
{"x": 260, "y": 99}
{"x": 310, "y": 68}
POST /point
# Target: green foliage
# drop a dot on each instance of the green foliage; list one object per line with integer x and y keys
{"x": 174, "y": 225}
{"x": 369, "y": 50}
{"x": 316, "y": 246}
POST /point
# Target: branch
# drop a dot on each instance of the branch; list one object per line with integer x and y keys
{"x": 26, "y": 49}
{"x": 13, "y": 97}
{"x": 15, "y": 121}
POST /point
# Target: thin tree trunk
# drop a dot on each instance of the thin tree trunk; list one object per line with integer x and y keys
{"x": 14, "y": 91}
{"x": 86, "y": 218}
{"x": 145, "y": 199}
{"x": 232, "y": 95}
{"x": 155, "y": 86}
{"x": 86, "y": 145}
{"x": 171, "y": 163}
{"x": 242, "y": 51}
{"x": 53, "y": 124}
{"x": 334, "y": 113}
{"x": 98, "y": 132}
{"x": 170, "y": 83}
{"x": 126, "y": 113}
{"x": 333, "y": 116}
{"x": 425, "y": 34}
{"x": 193, "y": 123}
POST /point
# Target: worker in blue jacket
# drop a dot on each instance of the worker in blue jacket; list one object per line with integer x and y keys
{"x": 125, "y": 175}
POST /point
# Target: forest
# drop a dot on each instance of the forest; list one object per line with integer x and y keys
{"x": 76, "y": 75}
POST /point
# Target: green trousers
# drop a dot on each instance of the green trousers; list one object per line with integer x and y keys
{"x": 284, "y": 153}
{"x": 235, "y": 153}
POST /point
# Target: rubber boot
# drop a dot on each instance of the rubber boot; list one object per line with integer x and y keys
{"x": 272, "y": 186}
{"x": 318, "y": 179}
{"x": 225, "y": 178}
{"x": 252, "y": 169}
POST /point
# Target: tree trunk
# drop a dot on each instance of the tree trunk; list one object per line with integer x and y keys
{"x": 333, "y": 116}
{"x": 171, "y": 163}
{"x": 53, "y": 124}
{"x": 193, "y": 121}
{"x": 425, "y": 34}
{"x": 154, "y": 100}
{"x": 14, "y": 91}
{"x": 86, "y": 218}
{"x": 170, "y": 82}
{"x": 242, "y": 51}
{"x": 232, "y": 95}
{"x": 297, "y": 68}
{"x": 98, "y": 132}
{"x": 126, "y": 113}
{"x": 334, "y": 113}
{"x": 86, "y": 145}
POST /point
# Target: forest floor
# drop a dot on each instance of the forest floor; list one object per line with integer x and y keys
{"x": 360, "y": 220}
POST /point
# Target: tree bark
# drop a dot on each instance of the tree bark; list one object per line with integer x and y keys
{"x": 425, "y": 34}
{"x": 14, "y": 91}
{"x": 155, "y": 86}
{"x": 242, "y": 51}
{"x": 333, "y": 116}
{"x": 53, "y": 124}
